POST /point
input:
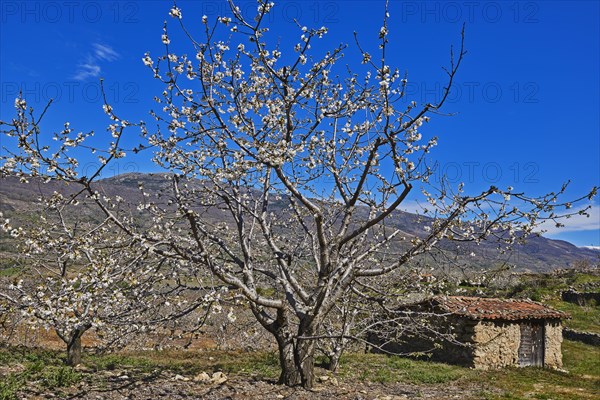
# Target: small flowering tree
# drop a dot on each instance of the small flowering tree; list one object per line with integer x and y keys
{"x": 80, "y": 275}
{"x": 286, "y": 177}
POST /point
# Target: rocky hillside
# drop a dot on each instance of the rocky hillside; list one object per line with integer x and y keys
{"x": 19, "y": 201}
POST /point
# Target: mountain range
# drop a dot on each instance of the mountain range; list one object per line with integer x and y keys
{"x": 20, "y": 202}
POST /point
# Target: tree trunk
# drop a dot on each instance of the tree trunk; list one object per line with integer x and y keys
{"x": 296, "y": 356}
{"x": 290, "y": 374}
{"x": 297, "y": 361}
{"x": 334, "y": 361}
{"x": 305, "y": 360}
{"x": 74, "y": 351}
{"x": 74, "y": 345}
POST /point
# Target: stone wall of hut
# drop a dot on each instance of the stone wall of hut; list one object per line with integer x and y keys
{"x": 478, "y": 344}
{"x": 496, "y": 344}
{"x": 552, "y": 344}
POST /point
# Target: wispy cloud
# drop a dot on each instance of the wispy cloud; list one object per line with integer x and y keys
{"x": 91, "y": 68}
{"x": 24, "y": 69}
{"x": 576, "y": 223}
{"x": 87, "y": 70}
{"x": 591, "y": 247}
{"x": 104, "y": 52}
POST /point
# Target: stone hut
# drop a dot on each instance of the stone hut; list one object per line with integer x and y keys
{"x": 483, "y": 333}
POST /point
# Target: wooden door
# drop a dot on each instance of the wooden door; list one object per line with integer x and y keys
{"x": 531, "y": 349}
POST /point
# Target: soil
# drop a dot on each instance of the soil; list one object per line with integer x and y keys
{"x": 117, "y": 385}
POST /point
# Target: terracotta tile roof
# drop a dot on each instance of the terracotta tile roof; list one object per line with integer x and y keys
{"x": 493, "y": 308}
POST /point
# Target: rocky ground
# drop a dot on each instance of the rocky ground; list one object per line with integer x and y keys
{"x": 118, "y": 385}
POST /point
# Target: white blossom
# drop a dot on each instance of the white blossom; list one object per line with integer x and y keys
{"x": 175, "y": 12}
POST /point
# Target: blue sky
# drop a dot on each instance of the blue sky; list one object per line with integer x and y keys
{"x": 526, "y": 104}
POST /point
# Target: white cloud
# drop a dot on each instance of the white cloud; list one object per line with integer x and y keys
{"x": 413, "y": 206}
{"x": 87, "y": 70}
{"x": 90, "y": 68}
{"x": 591, "y": 247}
{"x": 104, "y": 52}
{"x": 576, "y": 223}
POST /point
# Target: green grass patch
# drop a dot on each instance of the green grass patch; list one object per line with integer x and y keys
{"x": 24, "y": 355}
{"x": 33, "y": 365}
{"x": 59, "y": 376}
{"x": 393, "y": 369}
{"x": 10, "y": 271}
{"x": 263, "y": 364}
{"x": 545, "y": 287}
{"x": 580, "y": 279}
{"x": 9, "y": 387}
{"x": 583, "y": 318}
{"x": 581, "y": 359}
{"x": 581, "y": 382}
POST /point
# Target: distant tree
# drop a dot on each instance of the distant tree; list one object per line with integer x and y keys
{"x": 78, "y": 275}
{"x": 308, "y": 162}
